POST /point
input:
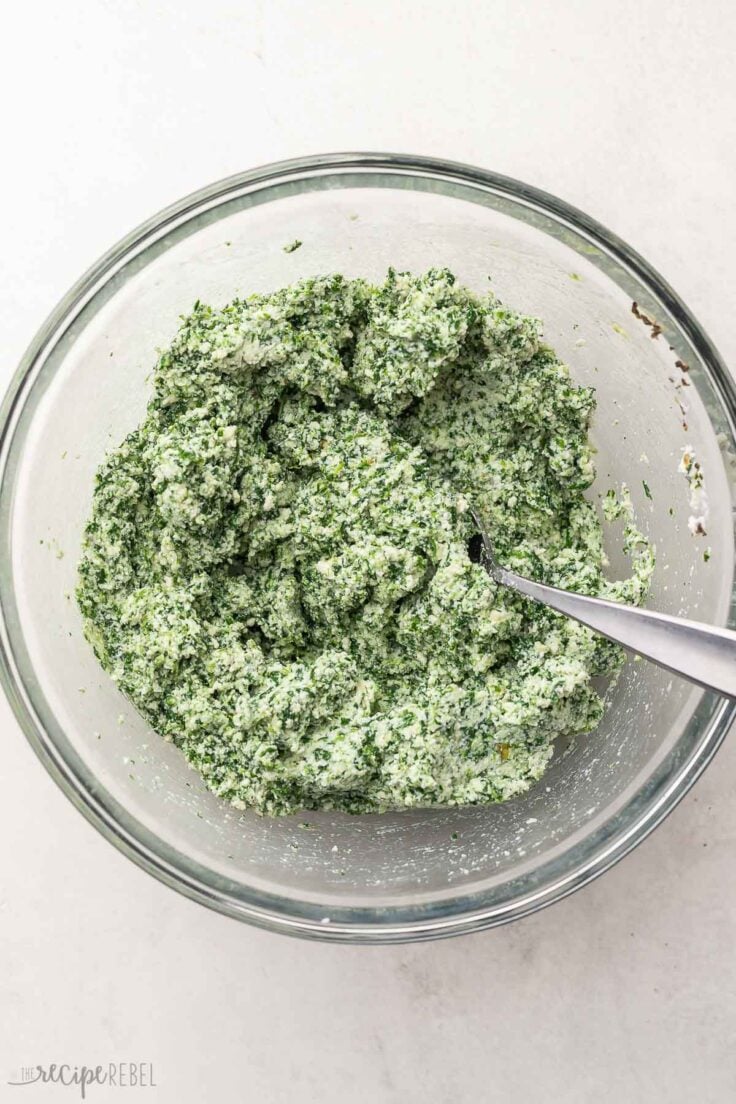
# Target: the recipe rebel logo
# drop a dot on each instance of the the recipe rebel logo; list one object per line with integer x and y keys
{"x": 115, "y": 1075}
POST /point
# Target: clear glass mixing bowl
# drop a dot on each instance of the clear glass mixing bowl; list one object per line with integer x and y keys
{"x": 83, "y": 385}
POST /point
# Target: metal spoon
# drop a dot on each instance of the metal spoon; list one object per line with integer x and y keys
{"x": 701, "y": 653}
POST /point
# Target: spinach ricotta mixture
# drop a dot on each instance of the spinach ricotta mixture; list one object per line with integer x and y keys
{"x": 277, "y": 568}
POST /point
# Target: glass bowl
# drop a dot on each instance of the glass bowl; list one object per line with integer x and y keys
{"x": 83, "y": 385}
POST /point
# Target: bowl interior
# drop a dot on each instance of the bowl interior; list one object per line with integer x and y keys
{"x": 90, "y": 387}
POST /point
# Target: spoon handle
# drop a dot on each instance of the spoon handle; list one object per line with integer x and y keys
{"x": 700, "y": 653}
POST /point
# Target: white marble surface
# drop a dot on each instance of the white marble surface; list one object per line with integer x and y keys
{"x": 625, "y": 992}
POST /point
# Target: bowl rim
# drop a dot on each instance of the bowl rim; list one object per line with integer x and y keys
{"x": 380, "y": 924}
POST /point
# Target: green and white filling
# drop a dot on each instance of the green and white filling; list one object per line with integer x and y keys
{"x": 276, "y": 569}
